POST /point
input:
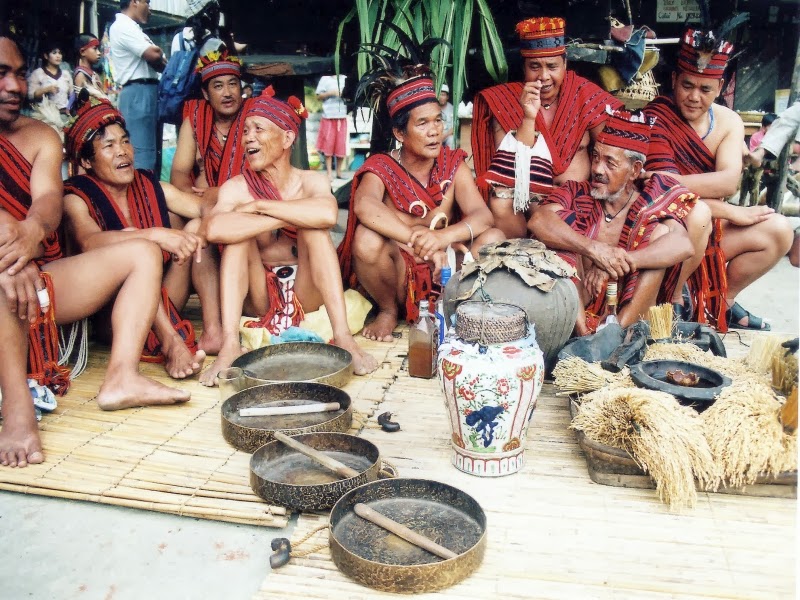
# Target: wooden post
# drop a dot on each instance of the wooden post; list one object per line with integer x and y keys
{"x": 775, "y": 198}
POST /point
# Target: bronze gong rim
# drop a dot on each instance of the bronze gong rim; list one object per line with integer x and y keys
{"x": 297, "y": 362}
{"x": 352, "y": 540}
{"x": 281, "y": 475}
{"x": 250, "y": 433}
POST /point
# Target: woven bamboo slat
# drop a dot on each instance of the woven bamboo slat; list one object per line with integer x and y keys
{"x": 169, "y": 459}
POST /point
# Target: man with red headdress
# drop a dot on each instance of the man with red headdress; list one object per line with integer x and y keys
{"x": 39, "y": 289}
{"x": 565, "y": 109}
{"x": 210, "y": 149}
{"x": 271, "y": 207}
{"x": 617, "y": 230}
{"x": 700, "y": 144}
{"x": 114, "y": 202}
{"x": 398, "y": 197}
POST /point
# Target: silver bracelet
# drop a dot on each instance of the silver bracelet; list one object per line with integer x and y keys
{"x": 471, "y": 234}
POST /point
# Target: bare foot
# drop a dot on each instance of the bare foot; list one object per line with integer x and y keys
{"x": 179, "y": 362}
{"x": 20, "y": 445}
{"x": 229, "y": 352}
{"x": 136, "y": 390}
{"x": 381, "y": 328}
{"x": 211, "y": 341}
{"x": 363, "y": 362}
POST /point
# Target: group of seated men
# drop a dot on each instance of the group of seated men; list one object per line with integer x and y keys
{"x": 628, "y": 208}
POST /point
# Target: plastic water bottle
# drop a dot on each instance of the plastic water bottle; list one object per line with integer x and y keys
{"x": 439, "y": 314}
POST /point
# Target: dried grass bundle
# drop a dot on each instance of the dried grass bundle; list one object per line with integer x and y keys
{"x": 733, "y": 368}
{"x": 745, "y": 435}
{"x": 575, "y": 376}
{"x": 784, "y": 371}
{"x": 764, "y": 347}
{"x": 660, "y": 318}
{"x": 664, "y": 438}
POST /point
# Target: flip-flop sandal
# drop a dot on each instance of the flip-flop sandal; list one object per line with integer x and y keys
{"x": 736, "y": 313}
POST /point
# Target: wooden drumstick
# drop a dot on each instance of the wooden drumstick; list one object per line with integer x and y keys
{"x": 341, "y": 469}
{"x": 373, "y": 516}
{"x": 288, "y": 409}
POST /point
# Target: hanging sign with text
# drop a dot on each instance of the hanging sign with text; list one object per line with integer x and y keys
{"x": 677, "y": 11}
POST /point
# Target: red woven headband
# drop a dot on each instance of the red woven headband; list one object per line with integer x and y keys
{"x": 91, "y": 118}
{"x": 286, "y": 115}
{"x": 95, "y": 43}
{"x": 410, "y": 94}
{"x": 629, "y": 131}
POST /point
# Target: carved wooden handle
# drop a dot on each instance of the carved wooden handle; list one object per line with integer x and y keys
{"x": 341, "y": 469}
{"x": 290, "y": 409}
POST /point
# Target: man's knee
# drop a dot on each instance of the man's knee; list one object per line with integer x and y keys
{"x": 368, "y": 244}
{"x": 491, "y": 235}
{"x": 659, "y": 230}
{"x": 141, "y": 253}
{"x": 192, "y": 226}
{"x": 699, "y": 218}
{"x": 779, "y": 229}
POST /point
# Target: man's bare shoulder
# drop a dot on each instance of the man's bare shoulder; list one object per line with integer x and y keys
{"x": 235, "y": 187}
{"x": 30, "y": 136}
{"x": 313, "y": 179}
{"x": 726, "y": 117}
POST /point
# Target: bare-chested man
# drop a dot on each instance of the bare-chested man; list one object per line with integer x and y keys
{"x": 617, "y": 229}
{"x": 30, "y": 211}
{"x": 114, "y": 202}
{"x": 571, "y": 115}
{"x": 210, "y": 149}
{"x": 274, "y": 204}
{"x": 700, "y": 144}
{"x": 396, "y": 197}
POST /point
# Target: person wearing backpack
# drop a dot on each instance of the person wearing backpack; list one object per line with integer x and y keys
{"x": 137, "y": 62}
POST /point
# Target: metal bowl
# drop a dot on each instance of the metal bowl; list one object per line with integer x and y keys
{"x": 250, "y": 433}
{"x": 296, "y": 361}
{"x": 379, "y": 559}
{"x": 652, "y": 375}
{"x": 281, "y": 475}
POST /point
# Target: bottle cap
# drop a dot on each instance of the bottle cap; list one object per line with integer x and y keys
{"x": 423, "y": 305}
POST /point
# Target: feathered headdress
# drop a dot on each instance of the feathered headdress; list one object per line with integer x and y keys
{"x": 706, "y": 52}
{"x": 400, "y": 79}
{"x": 286, "y": 115}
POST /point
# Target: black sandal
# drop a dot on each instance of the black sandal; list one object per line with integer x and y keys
{"x": 736, "y": 313}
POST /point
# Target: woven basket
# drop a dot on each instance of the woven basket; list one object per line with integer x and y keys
{"x": 490, "y": 323}
{"x": 639, "y": 93}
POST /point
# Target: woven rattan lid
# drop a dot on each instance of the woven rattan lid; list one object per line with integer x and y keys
{"x": 490, "y": 322}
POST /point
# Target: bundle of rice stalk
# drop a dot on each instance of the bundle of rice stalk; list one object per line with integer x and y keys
{"x": 733, "y": 368}
{"x": 764, "y": 347}
{"x": 660, "y": 318}
{"x": 574, "y": 375}
{"x": 746, "y": 436}
{"x": 664, "y": 438}
{"x": 784, "y": 371}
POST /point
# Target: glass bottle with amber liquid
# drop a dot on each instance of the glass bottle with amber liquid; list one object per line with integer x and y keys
{"x": 423, "y": 344}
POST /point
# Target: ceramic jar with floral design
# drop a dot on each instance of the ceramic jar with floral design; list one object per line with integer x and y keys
{"x": 490, "y": 393}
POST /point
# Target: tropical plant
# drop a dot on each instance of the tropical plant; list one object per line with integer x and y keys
{"x": 422, "y": 20}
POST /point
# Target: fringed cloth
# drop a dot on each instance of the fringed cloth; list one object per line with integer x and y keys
{"x": 581, "y": 107}
{"x": 662, "y": 198}
{"x": 147, "y": 207}
{"x": 676, "y": 148}
{"x": 220, "y": 161}
{"x": 284, "y": 309}
{"x": 15, "y": 198}
{"x": 411, "y": 197}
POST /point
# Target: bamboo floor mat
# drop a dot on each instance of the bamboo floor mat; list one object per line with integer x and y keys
{"x": 553, "y": 533}
{"x": 170, "y": 459}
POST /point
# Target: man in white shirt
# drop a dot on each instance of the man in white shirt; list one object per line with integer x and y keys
{"x": 137, "y": 62}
